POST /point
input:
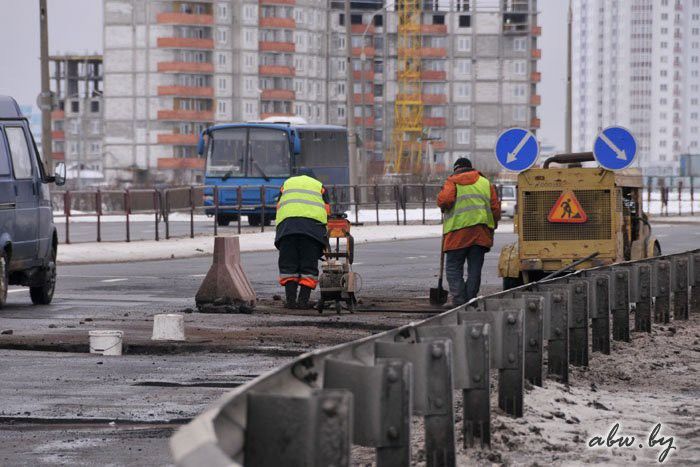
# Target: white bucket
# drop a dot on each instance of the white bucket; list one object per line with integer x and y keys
{"x": 106, "y": 342}
{"x": 168, "y": 327}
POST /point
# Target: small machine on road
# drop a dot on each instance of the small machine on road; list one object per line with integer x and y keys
{"x": 337, "y": 282}
{"x": 570, "y": 212}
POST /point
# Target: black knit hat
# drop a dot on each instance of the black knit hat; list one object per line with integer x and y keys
{"x": 462, "y": 163}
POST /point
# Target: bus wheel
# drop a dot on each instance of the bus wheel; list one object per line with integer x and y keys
{"x": 223, "y": 220}
{"x": 254, "y": 220}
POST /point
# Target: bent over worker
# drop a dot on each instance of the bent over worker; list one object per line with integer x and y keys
{"x": 471, "y": 213}
{"x": 302, "y": 215}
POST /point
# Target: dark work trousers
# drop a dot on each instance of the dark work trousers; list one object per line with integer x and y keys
{"x": 298, "y": 260}
{"x": 454, "y": 264}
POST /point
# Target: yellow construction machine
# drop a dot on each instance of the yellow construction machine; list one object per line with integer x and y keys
{"x": 571, "y": 217}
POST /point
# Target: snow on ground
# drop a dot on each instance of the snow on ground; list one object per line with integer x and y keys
{"x": 114, "y": 252}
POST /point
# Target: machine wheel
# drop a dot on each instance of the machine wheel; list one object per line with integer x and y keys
{"x": 319, "y": 307}
{"x": 254, "y": 220}
{"x": 223, "y": 220}
{"x": 512, "y": 282}
{"x": 4, "y": 278}
{"x": 338, "y": 307}
{"x": 43, "y": 294}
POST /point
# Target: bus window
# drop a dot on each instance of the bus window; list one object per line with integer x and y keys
{"x": 269, "y": 152}
{"x": 227, "y": 149}
{"x": 323, "y": 149}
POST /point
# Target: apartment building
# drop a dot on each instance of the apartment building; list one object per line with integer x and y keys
{"x": 174, "y": 67}
{"x": 636, "y": 63}
{"x": 76, "y": 124}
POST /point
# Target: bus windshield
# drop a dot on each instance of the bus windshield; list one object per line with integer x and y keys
{"x": 248, "y": 152}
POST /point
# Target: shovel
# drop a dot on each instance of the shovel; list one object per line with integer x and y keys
{"x": 438, "y": 295}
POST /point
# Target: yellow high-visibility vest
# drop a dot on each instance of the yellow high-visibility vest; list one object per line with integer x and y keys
{"x": 302, "y": 196}
{"x": 472, "y": 207}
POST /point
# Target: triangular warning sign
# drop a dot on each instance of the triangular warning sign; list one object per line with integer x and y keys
{"x": 567, "y": 210}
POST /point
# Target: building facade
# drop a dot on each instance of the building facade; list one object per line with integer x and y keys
{"x": 174, "y": 67}
{"x": 76, "y": 122}
{"x": 636, "y": 64}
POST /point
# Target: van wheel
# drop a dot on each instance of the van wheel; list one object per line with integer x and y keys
{"x": 4, "y": 278}
{"x": 43, "y": 294}
{"x": 223, "y": 220}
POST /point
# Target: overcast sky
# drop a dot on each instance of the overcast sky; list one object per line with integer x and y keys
{"x": 76, "y": 26}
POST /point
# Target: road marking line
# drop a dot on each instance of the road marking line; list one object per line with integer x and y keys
{"x": 17, "y": 290}
{"x": 198, "y": 275}
{"x": 115, "y": 280}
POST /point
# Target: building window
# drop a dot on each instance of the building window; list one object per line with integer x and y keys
{"x": 221, "y": 59}
{"x": 464, "y": 44}
{"x": 519, "y": 113}
{"x": 519, "y": 90}
{"x": 462, "y": 136}
{"x": 95, "y": 147}
{"x": 519, "y": 44}
{"x": 96, "y": 127}
{"x": 250, "y": 12}
{"x": 465, "y": 21}
{"x": 341, "y": 19}
{"x": 222, "y": 84}
{"x": 94, "y": 106}
{"x": 341, "y": 111}
{"x": 74, "y": 126}
{"x": 464, "y": 67}
{"x": 438, "y": 19}
{"x": 520, "y": 67}
{"x": 222, "y": 36}
{"x": 74, "y": 106}
{"x": 222, "y": 11}
{"x": 221, "y": 107}
{"x": 463, "y": 90}
{"x": 379, "y": 20}
{"x": 463, "y": 113}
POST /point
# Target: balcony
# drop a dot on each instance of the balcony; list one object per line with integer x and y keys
{"x": 357, "y": 51}
{"x": 58, "y": 156}
{"x": 424, "y": 52}
{"x": 535, "y": 76}
{"x": 434, "y": 99}
{"x": 369, "y": 122}
{"x": 433, "y": 29}
{"x": 58, "y": 115}
{"x": 178, "y": 139}
{"x": 360, "y": 28}
{"x": 535, "y": 99}
{"x": 277, "y": 2}
{"x": 282, "y": 23}
{"x": 277, "y": 95}
{"x": 185, "y": 91}
{"x": 367, "y": 99}
{"x": 276, "y": 70}
{"x": 185, "y": 67}
{"x": 434, "y": 122}
{"x": 367, "y": 75}
{"x": 536, "y": 53}
{"x": 268, "y": 46}
{"x": 535, "y": 123}
{"x": 174, "y": 163}
{"x": 186, "y": 115}
{"x": 431, "y": 75}
{"x": 58, "y": 135}
{"x": 185, "y": 43}
{"x": 184, "y": 18}
{"x": 536, "y": 31}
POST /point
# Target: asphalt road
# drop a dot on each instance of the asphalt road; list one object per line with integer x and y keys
{"x": 62, "y": 405}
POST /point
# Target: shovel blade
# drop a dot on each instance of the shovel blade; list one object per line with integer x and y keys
{"x": 438, "y": 296}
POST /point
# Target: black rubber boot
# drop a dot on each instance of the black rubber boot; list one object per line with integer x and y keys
{"x": 304, "y": 295}
{"x": 290, "y": 292}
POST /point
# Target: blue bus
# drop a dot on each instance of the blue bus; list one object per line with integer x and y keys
{"x": 256, "y": 154}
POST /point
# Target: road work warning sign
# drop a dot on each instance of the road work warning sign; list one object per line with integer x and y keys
{"x": 567, "y": 210}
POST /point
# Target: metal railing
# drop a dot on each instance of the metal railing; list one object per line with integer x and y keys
{"x": 189, "y": 200}
{"x": 312, "y": 410}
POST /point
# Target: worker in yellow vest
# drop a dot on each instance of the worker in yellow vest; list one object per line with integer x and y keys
{"x": 302, "y": 215}
{"x": 471, "y": 211}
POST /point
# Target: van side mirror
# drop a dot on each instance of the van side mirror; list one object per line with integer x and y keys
{"x": 59, "y": 175}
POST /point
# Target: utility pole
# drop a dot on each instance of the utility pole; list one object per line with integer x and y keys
{"x": 350, "y": 93}
{"x": 45, "y": 98}
{"x": 569, "y": 106}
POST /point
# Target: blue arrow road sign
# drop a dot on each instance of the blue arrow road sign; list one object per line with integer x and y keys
{"x": 517, "y": 149}
{"x": 615, "y": 148}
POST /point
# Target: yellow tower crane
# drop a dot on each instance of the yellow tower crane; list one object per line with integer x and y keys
{"x": 407, "y": 154}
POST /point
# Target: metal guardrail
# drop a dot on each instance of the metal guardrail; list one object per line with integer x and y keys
{"x": 313, "y": 409}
